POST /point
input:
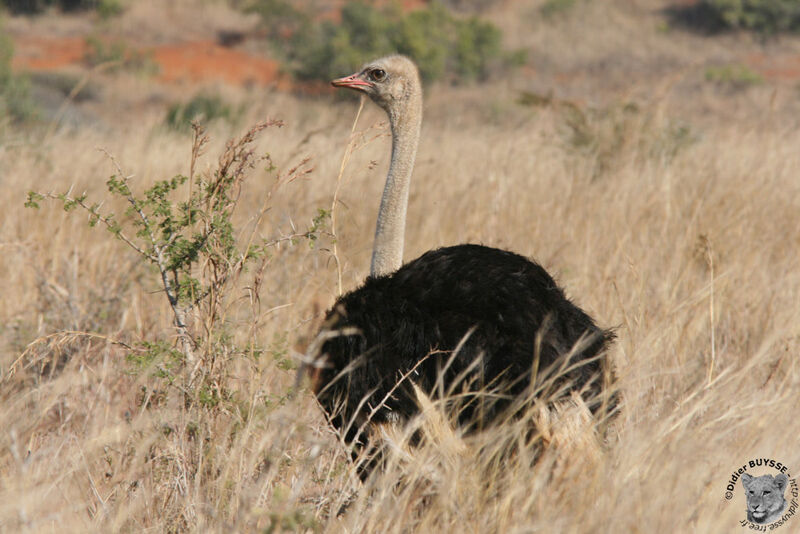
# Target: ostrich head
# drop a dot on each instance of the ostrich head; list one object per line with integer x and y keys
{"x": 392, "y": 82}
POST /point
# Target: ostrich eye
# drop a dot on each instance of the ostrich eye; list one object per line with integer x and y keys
{"x": 378, "y": 74}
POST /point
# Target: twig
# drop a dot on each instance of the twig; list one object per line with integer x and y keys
{"x": 198, "y": 142}
{"x": 65, "y": 334}
{"x": 710, "y": 261}
{"x": 161, "y": 263}
{"x": 345, "y": 159}
{"x": 105, "y": 220}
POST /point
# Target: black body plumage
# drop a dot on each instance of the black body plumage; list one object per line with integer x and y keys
{"x": 409, "y": 323}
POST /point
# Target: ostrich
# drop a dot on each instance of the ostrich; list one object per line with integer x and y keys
{"x": 464, "y": 318}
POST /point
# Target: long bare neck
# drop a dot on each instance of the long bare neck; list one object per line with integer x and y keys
{"x": 387, "y": 252}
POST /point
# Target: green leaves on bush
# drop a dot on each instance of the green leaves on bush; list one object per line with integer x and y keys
{"x": 184, "y": 228}
{"x": 763, "y": 16}
{"x": 443, "y": 45}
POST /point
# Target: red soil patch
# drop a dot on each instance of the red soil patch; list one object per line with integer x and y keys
{"x": 778, "y": 68}
{"x": 37, "y": 53}
{"x": 208, "y": 61}
{"x": 193, "y": 62}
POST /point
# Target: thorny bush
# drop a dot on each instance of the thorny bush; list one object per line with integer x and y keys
{"x": 183, "y": 226}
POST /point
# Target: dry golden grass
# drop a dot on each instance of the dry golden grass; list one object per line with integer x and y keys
{"x": 673, "y": 238}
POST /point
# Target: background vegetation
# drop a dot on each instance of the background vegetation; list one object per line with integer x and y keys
{"x": 764, "y": 16}
{"x": 103, "y": 7}
{"x": 15, "y": 102}
{"x": 443, "y": 45}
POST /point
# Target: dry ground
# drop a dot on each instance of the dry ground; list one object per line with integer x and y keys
{"x": 667, "y": 205}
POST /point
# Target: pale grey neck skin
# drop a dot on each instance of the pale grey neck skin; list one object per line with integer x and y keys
{"x": 405, "y": 118}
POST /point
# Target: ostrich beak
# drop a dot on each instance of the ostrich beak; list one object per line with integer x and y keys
{"x": 352, "y": 82}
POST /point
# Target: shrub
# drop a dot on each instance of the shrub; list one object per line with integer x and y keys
{"x": 108, "y": 8}
{"x": 733, "y": 75}
{"x": 443, "y": 45}
{"x": 612, "y": 136}
{"x": 105, "y": 8}
{"x": 183, "y": 227}
{"x": 193, "y": 411}
{"x": 553, "y": 7}
{"x": 15, "y": 102}
{"x": 202, "y": 107}
{"x": 763, "y": 16}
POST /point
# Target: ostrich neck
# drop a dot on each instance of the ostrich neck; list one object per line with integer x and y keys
{"x": 387, "y": 253}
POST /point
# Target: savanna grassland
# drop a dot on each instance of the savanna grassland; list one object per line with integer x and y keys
{"x": 652, "y": 168}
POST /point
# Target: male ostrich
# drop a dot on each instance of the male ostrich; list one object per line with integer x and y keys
{"x": 465, "y": 319}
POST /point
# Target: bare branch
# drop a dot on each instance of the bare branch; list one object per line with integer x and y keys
{"x": 110, "y": 224}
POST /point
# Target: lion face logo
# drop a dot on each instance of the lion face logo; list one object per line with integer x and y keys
{"x": 765, "y": 501}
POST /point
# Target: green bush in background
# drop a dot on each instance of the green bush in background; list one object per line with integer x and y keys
{"x": 15, "y": 101}
{"x": 105, "y": 8}
{"x": 733, "y": 75}
{"x": 764, "y": 16}
{"x": 202, "y": 107}
{"x": 443, "y": 45}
